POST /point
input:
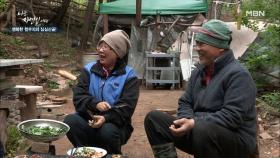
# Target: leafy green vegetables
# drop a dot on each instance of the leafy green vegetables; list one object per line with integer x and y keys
{"x": 44, "y": 130}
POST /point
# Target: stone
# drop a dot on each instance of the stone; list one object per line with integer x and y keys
{"x": 20, "y": 38}
{"x": 44, "y": 54}
{"x": 30, "y": 47}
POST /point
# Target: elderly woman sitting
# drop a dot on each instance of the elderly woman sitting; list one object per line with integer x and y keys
{"x": 105, "y": 97}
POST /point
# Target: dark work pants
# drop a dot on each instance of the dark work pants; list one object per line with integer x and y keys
{"x": 109, "y": 136}
{"x": 205, "y": 140}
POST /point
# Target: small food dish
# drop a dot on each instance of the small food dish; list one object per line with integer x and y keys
{"x": 87, "y": 152}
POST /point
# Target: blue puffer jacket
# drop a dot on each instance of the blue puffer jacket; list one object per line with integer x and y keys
{"x": 120, "y": 89}
{"x": 108, "y": 89}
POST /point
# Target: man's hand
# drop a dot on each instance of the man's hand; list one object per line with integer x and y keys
{"x": 97, "y": 121}
{"x": 180, "y": 127}
{"x": 103, "y": 106}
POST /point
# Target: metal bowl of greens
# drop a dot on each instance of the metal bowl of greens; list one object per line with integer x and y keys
{"x": 43, "y": 130}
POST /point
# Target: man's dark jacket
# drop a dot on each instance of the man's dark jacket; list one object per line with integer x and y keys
{"x": 228, "y": 100}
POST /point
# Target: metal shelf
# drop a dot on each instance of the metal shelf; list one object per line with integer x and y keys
{"x": 158, "y": 64}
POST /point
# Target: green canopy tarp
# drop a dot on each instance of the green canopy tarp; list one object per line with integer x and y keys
{"x": 153, "y": 7}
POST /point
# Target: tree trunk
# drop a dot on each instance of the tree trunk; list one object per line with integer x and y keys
{"x": 87, "y": 23}
{"x": 61, "y": 12}
{"x": 5, "y": 16}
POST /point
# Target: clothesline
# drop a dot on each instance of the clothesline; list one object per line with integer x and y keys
{"x": 222, "y": 2}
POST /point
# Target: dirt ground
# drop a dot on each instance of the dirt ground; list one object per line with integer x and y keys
{"x": 138, "y": 146}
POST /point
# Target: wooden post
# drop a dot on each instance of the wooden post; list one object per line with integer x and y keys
{"x": 68, "y": 25}
{"x": 105, "y": 21}
{"x": 14, "y": 15}
{"x": 105, "y": 24}
{"x": 30, "y": 111}
{"x": 138, "y": 12}
{"x": 239, "y": 16}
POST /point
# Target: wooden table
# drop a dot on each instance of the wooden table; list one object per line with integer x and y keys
{"x": 12, "y": 67}
{"x": 8, "y": 68}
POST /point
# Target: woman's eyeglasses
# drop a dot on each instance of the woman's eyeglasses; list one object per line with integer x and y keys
{"x": 103, "y": 46}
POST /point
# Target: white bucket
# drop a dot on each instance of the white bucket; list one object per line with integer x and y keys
{"x": 89, "y": 57}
